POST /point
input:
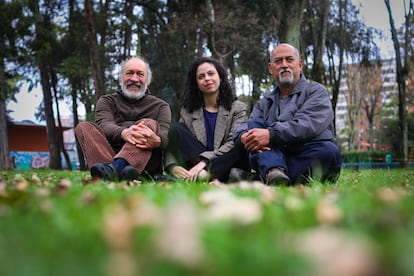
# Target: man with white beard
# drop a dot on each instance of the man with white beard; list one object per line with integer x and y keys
{"x": 290, "y": 135}
{"x": 130, "y": 130}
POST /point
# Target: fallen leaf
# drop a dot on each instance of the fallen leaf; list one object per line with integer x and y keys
{"x": 117, "y": 227}
{"x": 224, "y": 205}
{"x": 179, "y": 237}
{"x": 336, "y": 252}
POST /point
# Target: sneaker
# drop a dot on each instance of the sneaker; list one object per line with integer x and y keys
{"x": 237, "y": 174}
{"x": 277, "y": 176}
{"x": 129, "y": 173}
{"x": 103, "y": 171}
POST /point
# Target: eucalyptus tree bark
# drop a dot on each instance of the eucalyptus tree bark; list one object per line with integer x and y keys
{"x": 402, "y": 94}
{"x": 290, "y": 17}
{"x": 96, "y": 61}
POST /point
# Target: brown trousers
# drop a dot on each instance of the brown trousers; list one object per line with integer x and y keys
{"x": 97, "y": 148}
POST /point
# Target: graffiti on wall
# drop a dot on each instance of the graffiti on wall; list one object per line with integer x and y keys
{"x": 26, "y": 160}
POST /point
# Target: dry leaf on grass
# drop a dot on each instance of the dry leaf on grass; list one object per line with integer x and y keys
{"x": 179, "y": 237}
{"x": 223, "y": 205}
{"x": 327, "y": 212}
{"x": 293, "y": 203}
{"x": 117, "y": 228}
{"x": 388, "y": 195}
{"x": 335, "y": 252}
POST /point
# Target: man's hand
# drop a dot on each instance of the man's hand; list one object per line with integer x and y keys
{"x": 141, "y": 136}
{"x": 256, "y": 139}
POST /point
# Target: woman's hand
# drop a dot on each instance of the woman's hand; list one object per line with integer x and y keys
{"x": 195, "y": 171}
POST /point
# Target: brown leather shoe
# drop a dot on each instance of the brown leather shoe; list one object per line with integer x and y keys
{"x": 277, "y": 176}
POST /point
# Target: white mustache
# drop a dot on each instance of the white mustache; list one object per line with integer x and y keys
{"x": 285, "y": 70}
{"x": 133, "y": 83}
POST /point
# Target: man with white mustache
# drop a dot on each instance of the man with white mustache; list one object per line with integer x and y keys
{"x": 290, "y": 134}
{"x": 130, "y": 130}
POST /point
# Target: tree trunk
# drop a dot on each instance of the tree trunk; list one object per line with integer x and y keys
{"x": 5, "y": 163}
{"x": 290, "y": 16}
{"x": 337, "y": 76}
{"x": 401, "y": 77}
{"x": 96, "y": 62}
{"x": 42, "y": 29}
{"x": 54, "y": 153}
{"x": 59, "y": 138}
{"x": 127, "y": 29}
{"x": 318, "y": 32}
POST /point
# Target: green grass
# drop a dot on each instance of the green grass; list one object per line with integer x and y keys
{"x": 61, "y": 223}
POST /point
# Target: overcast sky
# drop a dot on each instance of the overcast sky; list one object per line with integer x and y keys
{"x": 372, "y": 12}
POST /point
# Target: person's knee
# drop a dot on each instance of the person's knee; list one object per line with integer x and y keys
{"x": 81, "y": 128}
{"x": 151, "y": 123}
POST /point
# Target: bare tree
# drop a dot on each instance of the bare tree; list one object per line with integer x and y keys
{"x": 353, "y": 99}
{"x": 371, "y": 88}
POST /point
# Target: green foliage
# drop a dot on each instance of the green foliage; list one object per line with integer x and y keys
{"x": 62, "y": 223}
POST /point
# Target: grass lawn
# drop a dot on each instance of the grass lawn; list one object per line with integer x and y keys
{"x": 62, "y": 223}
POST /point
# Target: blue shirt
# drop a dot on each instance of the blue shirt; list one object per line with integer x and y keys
{"x": 210, "y": 124}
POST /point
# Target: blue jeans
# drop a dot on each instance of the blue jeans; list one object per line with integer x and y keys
{"x": 319, "y": 160}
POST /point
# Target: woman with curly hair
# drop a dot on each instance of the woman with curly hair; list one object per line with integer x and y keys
{"x": 201, "y": 143}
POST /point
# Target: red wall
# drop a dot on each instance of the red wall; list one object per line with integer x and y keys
{"x": 28, "y": 138}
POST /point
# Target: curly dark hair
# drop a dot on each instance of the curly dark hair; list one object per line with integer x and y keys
{"x": 193, "y": 98}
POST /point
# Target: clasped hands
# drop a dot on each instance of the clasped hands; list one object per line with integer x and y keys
{"x": 141, "y": 136}
{"x": 256, "y": 140}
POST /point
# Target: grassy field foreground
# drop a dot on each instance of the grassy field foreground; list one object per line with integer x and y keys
{"x": 62, "y": 223}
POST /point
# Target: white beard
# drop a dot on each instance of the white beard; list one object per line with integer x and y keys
{"x": 132, "y": 94}
{"x": 284, "y": 81}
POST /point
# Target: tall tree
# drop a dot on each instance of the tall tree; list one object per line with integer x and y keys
{"x": 43, "y": 43}
{"x": 353, "y": 99}
{"x": 95, "y": 52}
{"x": 14, "y": 26}
{"x": 290, "y": 14}
{"x": 401, "y": 80}
{"x": 371, "y": 90}
{"x": 316, "y": 23}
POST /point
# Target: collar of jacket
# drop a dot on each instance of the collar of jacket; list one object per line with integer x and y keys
{"x": 297, "y": 89}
